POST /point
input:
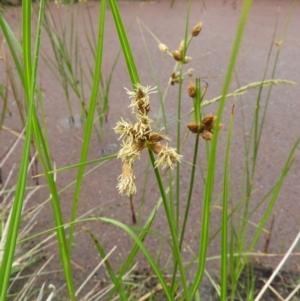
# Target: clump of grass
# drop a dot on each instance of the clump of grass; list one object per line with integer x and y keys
{"x": 70, "y": 63}
{"x": 183, "y": 284}
{"x": 207, "y": 129}
{"x": 26, "y": 254}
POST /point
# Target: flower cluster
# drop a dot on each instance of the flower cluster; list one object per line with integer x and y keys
{"x": 179, "y": 54}
{"x": 206, "y": 128}
{"x": 136, "y": 137}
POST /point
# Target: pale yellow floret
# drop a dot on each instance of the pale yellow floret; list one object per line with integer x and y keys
{"x": 126, "y": 183}
{"x": 167, "y": 157}
{"x": 123, "y": 128}
{"x": 140, "y": 95}
{"x": 128, "y": 153}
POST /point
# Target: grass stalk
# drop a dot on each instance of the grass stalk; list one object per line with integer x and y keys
{"x": 172, "y": 227}
{"x": 209, "y": 187}
{"x": 149, "y": 258}
{"x": 29, "y": 86}
{"x": 131, "y": 67}
{"x": 90, "y": 117}
{"x": 224, "y": 227}
{"x": 197, "y": 112}
{"x": 178, "y": 137}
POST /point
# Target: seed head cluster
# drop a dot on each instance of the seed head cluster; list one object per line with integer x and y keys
{"x": 206, "y": 128}
{"x": 136, "y": 137}
{"x": 179, "y": 54}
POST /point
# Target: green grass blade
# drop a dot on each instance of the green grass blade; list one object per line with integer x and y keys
{"x": 224, "y": 240}
{"x": 145, "y": 230}
{"x": 104, "y": 159}
{"x": 12, "y": 43}
{"x": 197, "y": 101}
{"x": 90, "y": 118}
{"x": 209, "y": 187}
{"x": 133, "y": 73}
{"x": 178, "y": 137}
{"x": 43, "y": 151}
{"x": 113, "y": 277}
{"x": 154, "y": 76}
{"x": 41, "y": 145}
{"x": 9, "y": 249}
{"x": 149, "y": 258}
{"x": 276, "y": 191}
{"x": 172, "y": 227}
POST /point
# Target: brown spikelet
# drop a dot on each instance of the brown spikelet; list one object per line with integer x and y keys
{"x": 156, "y": 137}
{"x": 208, "y": 122}
{"x": 197, "y": 29}
{"x": 175, "y": 78}
{"x": 176, "y": 55}
{"x": 156, "y": 148}
{"x": 142, "y": 108}
{"x": 193, "y": 127}
{"x": 206, "y": 135}
{"x": 191, "y": 89}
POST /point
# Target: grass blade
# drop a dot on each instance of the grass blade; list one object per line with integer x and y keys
{"x": 13, "y": 229}
{"x": 146, "y": 253}
{"x": 209, "y": 187}
{"x": 90, "y": 117}
{"x": 133, "y": 73}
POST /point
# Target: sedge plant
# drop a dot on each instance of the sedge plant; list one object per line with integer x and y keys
{"x": 137, "y": 136}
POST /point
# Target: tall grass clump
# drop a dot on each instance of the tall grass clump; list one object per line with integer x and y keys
{"x": 181, "y": 280}
{"x": 70, "y": 63}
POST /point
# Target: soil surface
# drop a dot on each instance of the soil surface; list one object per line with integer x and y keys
{"x": 210, "y": 52}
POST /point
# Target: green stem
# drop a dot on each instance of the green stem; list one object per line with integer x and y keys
{"x": 172, "y": 227}
{"x": 187, "y": 209}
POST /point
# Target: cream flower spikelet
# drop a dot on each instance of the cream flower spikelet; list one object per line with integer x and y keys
{"x": 126, "y": 183}
{"x": 167, "y": 157}
{"x": 140, "y": 97}
{"x": 123, "y": 128}
{"x": 128, "y": 153}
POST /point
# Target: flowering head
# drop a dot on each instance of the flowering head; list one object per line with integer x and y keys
{"x": 206, "y": 128}
{"x": 136, "y": 137}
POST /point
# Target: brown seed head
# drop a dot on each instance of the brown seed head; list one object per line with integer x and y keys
{"x": 197, "y": 29}
{"x": 176, "y": 55}
{"x": 143, "y": 108}
{"x": 206, "y": 135}
{"x": 208, "y": 122}
{"x": 140, "y": 94}
{"x": 174, "y": 78}
{"x": 193, "y": 127}
{"x": 156, "y": 148}
{"x": 138, "y": 145}
{"x": 207, "y": 127}
{"x": 156, "y": 137}
{"x": 191, "y": 89}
